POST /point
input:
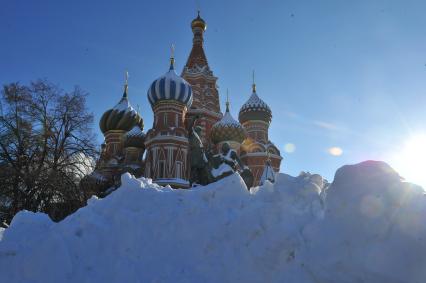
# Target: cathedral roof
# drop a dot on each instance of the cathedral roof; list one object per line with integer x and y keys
{"x": 197, "y": 58}
{"x": 227, "y": 129}
{"x": 121, "y": 117}
{"x": 135, "y": 138}
{"x": 255, "y": 109}
{"x": 170, "y": 86}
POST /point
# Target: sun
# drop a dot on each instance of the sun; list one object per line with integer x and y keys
{"x": 410, "y": 161}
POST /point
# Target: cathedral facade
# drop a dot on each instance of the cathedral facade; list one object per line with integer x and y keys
{"x": 162, "y": 154}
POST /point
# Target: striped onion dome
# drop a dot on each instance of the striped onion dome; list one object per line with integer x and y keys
{"x": 255, "y": 109}
{"x": 121, "y": 117}
{"x": 170, "y": 86}
{"x": 227, "y": 129}
{"x": 135, "y": 138}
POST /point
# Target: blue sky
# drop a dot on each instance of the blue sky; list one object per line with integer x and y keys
{"x": 347, "y": 74}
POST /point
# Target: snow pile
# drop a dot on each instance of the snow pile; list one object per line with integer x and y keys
{"x": 368, "y": 226}
{"x": 374, "y": 229}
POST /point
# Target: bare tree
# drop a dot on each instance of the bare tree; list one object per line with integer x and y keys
{"x": 46, "y": 147}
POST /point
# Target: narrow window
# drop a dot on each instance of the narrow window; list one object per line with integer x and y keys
{"x": 179, "y": 169}
{"x": 148, "y": 170}
{"x": 161, "y": 169}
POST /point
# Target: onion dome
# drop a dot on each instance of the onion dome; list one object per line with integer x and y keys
{"x": 135, "y": 138}
{"x": 255, "y": 109}
{"x": 227, "y": 129}
{"x": 170, "y": 87}
{"x": 198, "y": 22}
{"x": 121, "y": 117}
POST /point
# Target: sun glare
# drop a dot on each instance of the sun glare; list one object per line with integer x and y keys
{"x": 410, "y": 162}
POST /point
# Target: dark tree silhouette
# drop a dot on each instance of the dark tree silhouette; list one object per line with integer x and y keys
{"x": 46, "y": 147}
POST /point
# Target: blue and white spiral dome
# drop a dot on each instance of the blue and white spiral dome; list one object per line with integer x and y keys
{"x": 171, "y": 87}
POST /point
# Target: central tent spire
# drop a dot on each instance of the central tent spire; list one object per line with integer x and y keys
{"x": 197, "y": 57}
{"x": 206, "y": 104}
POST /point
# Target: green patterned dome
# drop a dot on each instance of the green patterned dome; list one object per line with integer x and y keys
{"x": 122, "y": 117}
{"x": 227, "y": 129}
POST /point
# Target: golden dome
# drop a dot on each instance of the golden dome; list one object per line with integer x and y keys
{"x": 198, "y": 22}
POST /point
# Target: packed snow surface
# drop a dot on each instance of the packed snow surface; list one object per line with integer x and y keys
{"x": 367, "y": 226}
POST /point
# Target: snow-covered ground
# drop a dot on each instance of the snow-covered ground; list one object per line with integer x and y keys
{"x": 367, "y": 226}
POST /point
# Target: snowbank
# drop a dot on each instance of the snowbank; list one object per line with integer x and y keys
{"x": 368, "y": 226}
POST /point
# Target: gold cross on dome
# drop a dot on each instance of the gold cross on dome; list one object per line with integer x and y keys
{"x": 227, "y": 100}
{"x": 253, "y": 76}
{"x": 172, "y": 51}
{"x": 227, "y": 96}
{"x": 254, "y": 84}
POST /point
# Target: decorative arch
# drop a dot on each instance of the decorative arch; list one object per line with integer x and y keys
{"x": 256, "y": 147}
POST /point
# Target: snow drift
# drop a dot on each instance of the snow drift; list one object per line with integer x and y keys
{"x": 367, "y": 226}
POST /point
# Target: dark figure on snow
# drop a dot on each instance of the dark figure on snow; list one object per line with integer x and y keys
{"x": 200, "y": 173}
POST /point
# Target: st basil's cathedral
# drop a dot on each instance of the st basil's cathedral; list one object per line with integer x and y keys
{"x": 162, "y": 154}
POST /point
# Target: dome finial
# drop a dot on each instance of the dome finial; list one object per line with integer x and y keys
{"x": 254, "y": 84}
{"x": 172, "y": 57}
{"x": 126, "y": 85}
{"x": 198, "y": 22}
{"x": 227, "y": 100}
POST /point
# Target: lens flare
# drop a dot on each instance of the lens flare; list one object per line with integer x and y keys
{"x": 410, "y": 161}
{"x": 289, "y": 148}
{"x": 335, "y": 151}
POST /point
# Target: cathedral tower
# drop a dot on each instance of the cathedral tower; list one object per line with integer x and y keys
{"x": 197, "y": 72}
{"x": 255, "y": 116}
{"x": 166, "y": 159}
{"x": 117, "y": 121}
{"x": 114, "y": 124}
